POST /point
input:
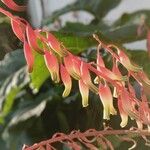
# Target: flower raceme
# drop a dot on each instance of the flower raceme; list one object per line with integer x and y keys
{"x": 63, "y": 66}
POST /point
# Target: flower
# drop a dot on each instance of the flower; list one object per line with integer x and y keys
{"x": 32, "y": 39}
{"x": 107, "y": 100}
{"x": 128, "y": 104}
{"x": 18, "y": 28}
{"x": 52, "y": 65}
{"x": 55, "y": 45}
{"x": 28, "y": 56}
{"x": 66, "y": 79}
{"x": 84, "y": 90}
{"x": 100, "y": 63}
{"x": 13, "y": 6}
{"x": 123, "y": 114}
{"x": 125, "y": 61}
{"x": 86, "y": 78}
{"x": 72, "y": 66}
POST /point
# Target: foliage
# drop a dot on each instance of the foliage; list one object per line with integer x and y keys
{"x": 32, "y": 107}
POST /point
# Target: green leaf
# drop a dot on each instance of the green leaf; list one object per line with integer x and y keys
{"x": 39, "y": 74}
{"x": 9, "y": 90}
{"x": 121, "y": 34}
{"x": 99, "y": 8}
{"x": 133, "y": 18}
{"x": 75, "y": 43}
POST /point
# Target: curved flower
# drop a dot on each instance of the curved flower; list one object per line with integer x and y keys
{"x": 112, "y": 75}
{"x": 100, "y": 63}
{"x": 107, "y": 101}
{"x": 55, "y": 45}
{"x": 18, "y": 28}
{"x": 125, "y": 61}
{"x": 84, "y": 90}
{"x": 66, "y": 79}
{"x": 144, "y": 112}
{"x": 72, "y": 66}
{"x": 123, "y": 114}
{"x": 86, "y": 78}
{"x": 128, "y": 104}
{"x": 13, "y": 6}
{"x": 28, "y": 56}
{"x": 52, "y": 65}
{"x": 32, "y": 39}
{"x": 99, "y": 59}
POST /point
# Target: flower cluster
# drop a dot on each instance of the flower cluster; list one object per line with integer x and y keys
{"x": 63, "y": 66}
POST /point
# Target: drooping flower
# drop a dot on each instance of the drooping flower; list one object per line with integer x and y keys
{"x": 72, "y": 66}
{"x": 28, "y": 56}
{"x": 123, "y": 114}
{"x": 144, "y": 112}
{"x": 107, "y": 100}
{"x": 100, "y": 63}
{"x": 18, "y": 28}
{"x": 128, "y": 104}
{"x": 13, "y": 6}
{"x": 55, "y": 45}
{"x": 112, "y": 75}
{"x": 116, "y": 70}
{"x": 52, "y": 65}
{"x": 99, "y": 59}
{"x": 32, "y": 39}
{"x": 84, "y": 90}
{"x": 66, "y": 79}
{"x": 86, "y": 78}
{"x": 125, "y": 61}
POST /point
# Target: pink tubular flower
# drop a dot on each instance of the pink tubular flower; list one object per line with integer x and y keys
{"x": 144, "y": 111}
{"x": 107, "y": 101}
{"x": 112, "y": 75}
{"x": 52, "y": 65}
{"x": 28, "y": 56}
{"x": 99, "y": 60}
{"x": 86, "y": 78}
{"x": 125, "y": 61}
{"x": 18, "y": 28}
{"x": 72, "y": 66}
{"x": 66, "y": 79}
{"x": 55, "y": 45}
{"x": 128, "y": 104}
{"x": 100, "y": 63}
{"x": 32, "y": 39}
{"x": 123, "y": 114}
{"x": 84, "y": 90}
{"x": 13, "y": 6}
